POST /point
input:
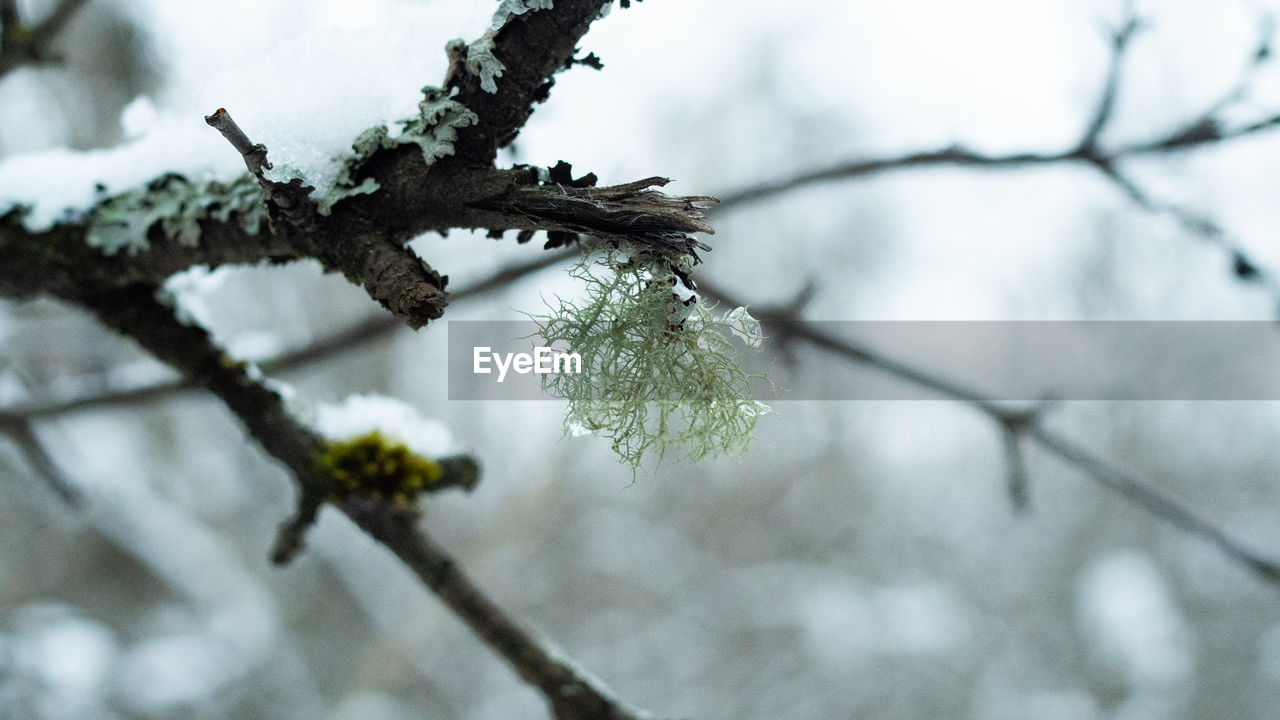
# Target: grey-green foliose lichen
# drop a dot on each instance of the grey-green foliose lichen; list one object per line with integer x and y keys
{"x": 481, "y": 61}
{"x": 122, "y": 222}
{"x": 434, "y": 131}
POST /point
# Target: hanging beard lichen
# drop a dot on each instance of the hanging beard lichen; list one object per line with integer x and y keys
{"x": 659, "y": 371}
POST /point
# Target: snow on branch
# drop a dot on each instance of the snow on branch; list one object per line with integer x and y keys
{"x": 329, "y": 472}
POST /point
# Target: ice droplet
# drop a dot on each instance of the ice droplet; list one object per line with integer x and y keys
{"x": 741, "y": 324}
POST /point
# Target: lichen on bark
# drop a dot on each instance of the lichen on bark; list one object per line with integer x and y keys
{"x": 660, "y": 371}
{"x": 123, "y": 222}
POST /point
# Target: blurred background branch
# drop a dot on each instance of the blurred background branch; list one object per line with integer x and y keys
{"x": 25, "y": 44}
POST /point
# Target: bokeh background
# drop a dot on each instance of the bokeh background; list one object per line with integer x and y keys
{"x": 863, "y": 560}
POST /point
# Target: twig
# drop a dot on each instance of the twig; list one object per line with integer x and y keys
{"x": 1144, "y": 496}
{"x": 291, "y": 199}
{"x": 357, "y": 334}
{"x": 1020, "y": 423}
{"x": 1120, "y": 39}
{"x": 1242, "y": 265}
{"x": 572, "y": 694}
{"x": 1203, "y": 130}
{"x": 42, "y": 463}
{"x": 1015, "y": 461}
{"x": 254, "y": 154}
{"x": 1200, "y": 131}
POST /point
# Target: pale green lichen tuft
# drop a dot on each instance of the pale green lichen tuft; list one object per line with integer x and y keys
{"x": 122, "y": 223}
{"x": 658, "y": 374}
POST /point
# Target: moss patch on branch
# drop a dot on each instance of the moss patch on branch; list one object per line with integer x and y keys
{"x": 375, "y": 466}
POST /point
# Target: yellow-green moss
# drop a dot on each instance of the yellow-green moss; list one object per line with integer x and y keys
{"x": 374, "y": 465}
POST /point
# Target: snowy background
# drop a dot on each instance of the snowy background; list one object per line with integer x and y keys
{"x": 863, "y": 561}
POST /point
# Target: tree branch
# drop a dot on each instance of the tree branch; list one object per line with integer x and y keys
{"x": 42, "y": 463}
{"x": 1120, "y": 39}
{"x": 1242, "y": 265}
{"x": 531, "y": 46}
{"x": 351, "y": 338}
{"x": 1201, "y": 131}
{"x": 572, "y": 694}
{"x": 135, "y": 312}
{"x": 21, "y": 45}
{"x": 1015, "y": 424}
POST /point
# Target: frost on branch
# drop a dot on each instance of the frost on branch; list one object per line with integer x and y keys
{"x": 659, "y": 370}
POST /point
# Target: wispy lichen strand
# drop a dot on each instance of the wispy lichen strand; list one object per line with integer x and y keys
{"x": 659, "y": 374}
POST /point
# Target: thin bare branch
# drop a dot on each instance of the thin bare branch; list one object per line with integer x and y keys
{"x": 42, "y": 463}
{"x": 572, "y": 694}
{"x": 1185, "y": 138}
{"x": 254, "y": 154}
{"x": 1206, "y": 228}
{"x": 358, "y": 334}
{"x": 44, "y": 33}
{"x": 23, "y": 45}
{"x": 1020, "y": 423}
{"x": 1203, "y": 130}
{"x": 1120, "y": 39}
{"x": 1015, "y": 460}
{"x": 1140, "y": 493}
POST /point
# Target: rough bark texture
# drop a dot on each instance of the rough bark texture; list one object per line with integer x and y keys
{"x": 364, "y": 237}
